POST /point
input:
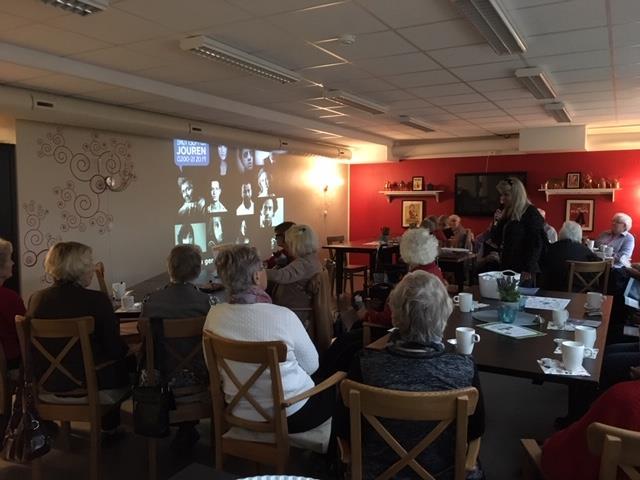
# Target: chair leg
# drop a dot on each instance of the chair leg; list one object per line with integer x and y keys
{"x": 351, "y": 283}
{"x": 65, "y": 436}
{"x": 94, "y": 454}
{"x": 152, "y": 446}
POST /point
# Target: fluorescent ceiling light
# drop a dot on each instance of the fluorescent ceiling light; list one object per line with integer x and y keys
{"x": 351, "y": 100}
{"x": 492, "y": 23}
{"x": 535, "y": 80}
{"x": 213, "y": 50}
{"x": 80, "y": 7}
{"x": 558, "y": 111}
{"x": 415, "y": 123}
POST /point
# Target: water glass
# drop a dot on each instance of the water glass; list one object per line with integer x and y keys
{"x": 507, "y": 313}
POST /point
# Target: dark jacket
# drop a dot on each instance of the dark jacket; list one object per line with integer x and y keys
{"x": 555, "y": 269}
{"x": 70, "y": 300}
{"x": 410, "y": 370}
{"x": 522, "y": 241}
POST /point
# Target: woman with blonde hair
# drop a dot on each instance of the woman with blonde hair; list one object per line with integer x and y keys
{"x": 520, "y": 231}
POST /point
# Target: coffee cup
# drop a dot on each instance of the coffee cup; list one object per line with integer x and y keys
{"x": 464, "y": 301}
{"x": 466, "y": 337}
{"x": 127, "y": 302}
{"x": 585, "y": 335}
{"x": 591, "y": 244}
{"x": 559, "y": 318}
{"x": 572, "y": 355}
{"x": 119, "y": 289}
{"x": 594, "y": 300}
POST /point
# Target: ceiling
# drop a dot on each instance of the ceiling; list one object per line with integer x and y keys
{"x": 419, "y": 57}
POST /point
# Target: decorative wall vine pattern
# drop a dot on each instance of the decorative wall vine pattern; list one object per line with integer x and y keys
{"x": 101, "y": 166}
{"x": 35, "y": 241}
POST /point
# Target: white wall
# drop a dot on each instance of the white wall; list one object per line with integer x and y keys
{"x": 131, "y": 230}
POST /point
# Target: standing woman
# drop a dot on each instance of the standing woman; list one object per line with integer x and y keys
{"x": 10, "y": 305}
{"x": 520, "y": 230}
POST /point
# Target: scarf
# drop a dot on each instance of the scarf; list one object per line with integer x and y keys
{"x": 253, "y": 294}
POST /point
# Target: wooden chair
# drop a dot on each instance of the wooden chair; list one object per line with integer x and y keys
{"x": 83, "y": 404}
{"x": 349, "y": 271}
{"x": 186, "y": 409}
{"x": 266, "y": 441}
{"x": 618, "y": 449}
{"x": 598, "y": 279}
{"x": 453, "y": 406}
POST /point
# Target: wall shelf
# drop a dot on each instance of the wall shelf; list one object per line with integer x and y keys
{"x": 391, "y": 194}
{"x": 580, "y": 191}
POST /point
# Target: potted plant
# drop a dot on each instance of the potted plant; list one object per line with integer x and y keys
{"x": 510, "y": 296}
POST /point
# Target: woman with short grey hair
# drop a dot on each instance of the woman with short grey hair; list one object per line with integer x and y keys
{"x": 555, "y": 269}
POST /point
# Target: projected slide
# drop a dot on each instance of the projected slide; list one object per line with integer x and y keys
{"x": 225, "y": 195}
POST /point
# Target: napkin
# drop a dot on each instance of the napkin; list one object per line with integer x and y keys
{"x": 588, "y": 352}
{"x": 569, "y": 326}
{"x": 555, "y": 367}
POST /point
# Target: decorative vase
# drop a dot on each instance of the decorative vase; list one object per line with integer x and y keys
{"x": 507, "y": 311}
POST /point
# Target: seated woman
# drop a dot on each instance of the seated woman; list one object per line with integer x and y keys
{"x": 291, "y": 281}
{"x": 555, "y": 270}
{"x": 71, "y": 266}
{"x": 182, "y": 299}
{"x": 566, "y": 455}
{"x": 415, "y": 361}
{"x": 249, "y": 316}
{"x": 10, "y": 305}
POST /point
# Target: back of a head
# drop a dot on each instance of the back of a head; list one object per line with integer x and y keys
{"x": 429, "y": 224}
{"x": 418, "y": 247}
{"x": 570, "y": 231}
{"x": 69, "y": 261}
{"x": 184, "y": 263}
{"x": 6, "y": 249}
{"x": 301, "y": 240}
{"x": 282, "y": 228}
{"x": 420, "y": 307}
{"x": 236, "y": 266}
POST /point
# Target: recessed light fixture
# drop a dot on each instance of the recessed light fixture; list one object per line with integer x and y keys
{"x": 214, "y": 50}
{"x": 415, "y": 123}
{"x": 535, "y": 80}
{"x": 558, "y": 111}
{"x": 492, "y": 23}
{"x": 351, "y": 100}
{"x": 80, "y": 7}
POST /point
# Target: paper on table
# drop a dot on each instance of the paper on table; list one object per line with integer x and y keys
{"x": 588, "y": 352}
{"x": 513, "y": 331}
{"x": 546, "y": 303}
{"x": 572, "y": 323}
{"x": 528, "y": 290}
{"x": 555, "y": 367}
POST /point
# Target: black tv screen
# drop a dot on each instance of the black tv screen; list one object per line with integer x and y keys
{"x": 476, "y": 194}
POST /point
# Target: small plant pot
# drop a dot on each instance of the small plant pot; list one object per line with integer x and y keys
{"x": 507, "y": 311}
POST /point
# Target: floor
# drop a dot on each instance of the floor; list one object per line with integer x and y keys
{"x": 515, "y": 409}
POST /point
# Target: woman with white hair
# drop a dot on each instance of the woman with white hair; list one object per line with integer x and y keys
{"x": 10, "y": 305}
{"x": 555, "y": 269}
{"x": 415, "y": 361}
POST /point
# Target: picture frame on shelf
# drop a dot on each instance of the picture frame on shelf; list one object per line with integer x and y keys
{"x": 417, "y": 184}
{"x": 582, "y": 212}
{"x": 412, "y": 212}
{"x": 574, "y": 180}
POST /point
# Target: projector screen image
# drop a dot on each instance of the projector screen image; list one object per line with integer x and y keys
{"x": 225, "y": 195}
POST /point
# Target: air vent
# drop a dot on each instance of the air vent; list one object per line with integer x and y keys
{"x": 44, "y": 104}
{"x": 195, "y": 129}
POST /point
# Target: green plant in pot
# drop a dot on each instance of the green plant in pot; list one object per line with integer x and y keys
{"x": 510, "y": 295}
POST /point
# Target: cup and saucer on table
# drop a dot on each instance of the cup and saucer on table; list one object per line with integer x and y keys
{"x": 466, "y": 338}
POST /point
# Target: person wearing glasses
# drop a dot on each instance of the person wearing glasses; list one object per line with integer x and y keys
{"x": 619, "y": 239}
{"x": 520, "y": 231}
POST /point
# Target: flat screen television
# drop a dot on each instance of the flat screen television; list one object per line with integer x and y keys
{"x": 476, "y": 194}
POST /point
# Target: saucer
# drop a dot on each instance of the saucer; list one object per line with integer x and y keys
{"x": 590, "y": 307}
{"x": 452, "y": 341}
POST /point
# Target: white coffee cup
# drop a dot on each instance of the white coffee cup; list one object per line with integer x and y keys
{"x": 594, "y": 300}
{"x": 119, "y": 289}
{"x": 466, "y": 337}
{"x": 127, "y": 302}
{"x": 585, "y": 335}
{"x": 591, "y": 244}
{"x": 572, "y": 355}
{"x": 464, "y": 301}
{"x": 559, "y": 318}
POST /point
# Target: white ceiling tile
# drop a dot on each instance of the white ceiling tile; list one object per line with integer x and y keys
{"x": 557, "y": 17}
{"x": 253, "y": 36}
{"x": 508, "y": 94}
{"x": 303, "y": 56}
{"x": 50, "y": 40}
{"x": 457, "y": 99}
{"x": 10, "y": 72}
{"x": 532, "y": 117}
{"x": 419, "y": 79}
{"x": 568, "y": 42}
{"x": 524, "y": 110}
{"x": 396, "y": 64}
{"x": 410, "y": 12}
{"x": 590, "y": 105}
{"x": 191, "y": 71}
{"x": 496, "y": 84}
{"x": 364, "y": 85}
{"x": 334, "y": 73}
{"x": 467, "y": 55}
{"x": 120, "y": 58}
{"x": 371, "y": 45}
{"x": 328, "y": 22}
{"x": 518, "y": 102}
{"x": 8, "y": 22}
{"x": 64, "y": 84}
{"x": 627, "y": 55}
{"x": 393, "y": 96}
{"x": 627, "y": 71}
{"x": 488, "y": 70}
{"x": 475, "y": 110}
{"x": 625, "y": 35}
{"x": 262, "y": 8}
{"x": 35, "y": 10}
{"x": 453, "y": 33}
{"x": 572, "y": 61}
{"x": 587, "y": 97}
{"x": 441, "y": 90}
{"x": 580, "y": 87}
{"x": 582, "y": 75}
{"x": 412, "y": 103}
{"x": 624, "y": 11}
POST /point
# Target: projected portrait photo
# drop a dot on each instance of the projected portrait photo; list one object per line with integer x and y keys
{"x": 216, "y": 205}
{"x": 190, "y": 207}
{"x": 264, "y": 183}
{"x": 191, "y": 233}
{"x": 216, "y": 234}
{"x": 246, "y": 207}
{"x": 246, "y": 159}
{"x": 223, "y": 151}
{"x": 243, "y": 234}
{"x": 271, "y": 212}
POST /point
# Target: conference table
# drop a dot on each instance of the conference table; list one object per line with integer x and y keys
{"x": 504, "y": 355}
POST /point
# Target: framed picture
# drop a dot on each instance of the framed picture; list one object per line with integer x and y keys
{"x": 573, "y": 180}
{"x": 582, "y": 212}
{"x": 418, "y": 183}
{"x": 412, "y": 212}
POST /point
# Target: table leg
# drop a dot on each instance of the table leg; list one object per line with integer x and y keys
{"x": 339, "y": 271}
{"x": 460, "y": 273}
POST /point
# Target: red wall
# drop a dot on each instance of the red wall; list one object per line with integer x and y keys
{"x": 370, "y": 209}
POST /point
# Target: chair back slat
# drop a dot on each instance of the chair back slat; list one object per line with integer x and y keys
{"x": 5, "y": 389}
{"x": 619, "y": 449}
{"x": 445, "y": 407}
{"x": 598, "y": 279}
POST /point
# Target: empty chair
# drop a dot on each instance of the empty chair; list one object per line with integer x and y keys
{"x": 349, "y": 270}
{"x": 596, "y": 278}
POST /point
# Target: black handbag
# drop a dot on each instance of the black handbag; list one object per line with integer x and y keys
{"x": 152, "y": 403}
{"x": 27, "y": 437}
